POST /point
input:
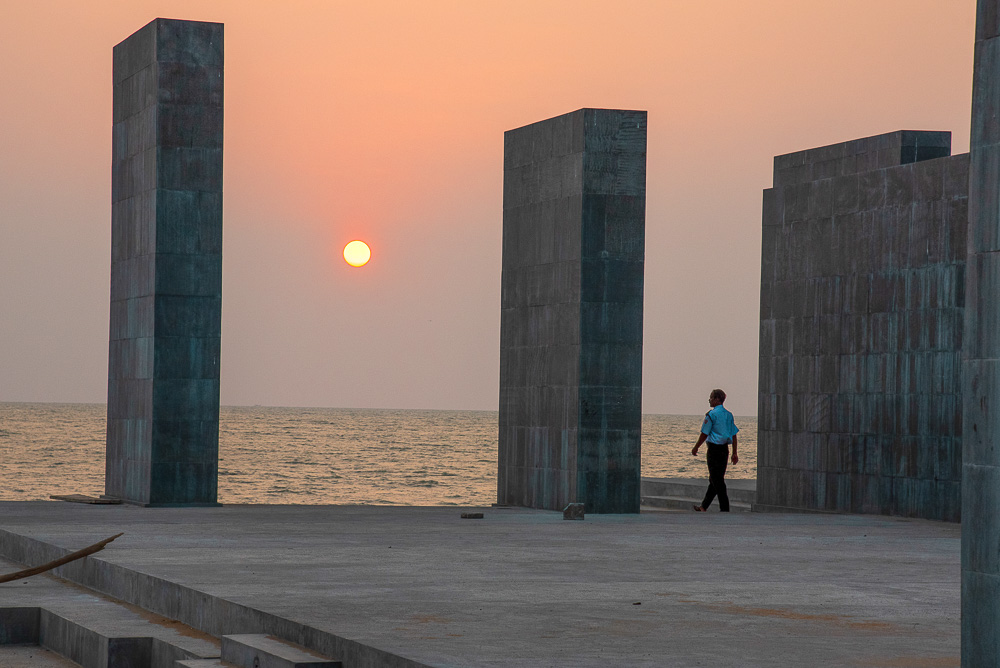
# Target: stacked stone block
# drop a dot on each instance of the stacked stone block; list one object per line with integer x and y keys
{"x": 166, "y": 267}
{"x": 571, "y": 312}
{"x": 981, "y": 359}
{"x": 861, "y": 321}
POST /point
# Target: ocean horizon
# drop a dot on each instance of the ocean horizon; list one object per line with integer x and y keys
{"x": 316, "y": 455}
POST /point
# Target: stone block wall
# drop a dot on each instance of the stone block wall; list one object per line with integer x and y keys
{"x": 861, "y": 321}
{"x": 981, "y": 358}
{"x": 571, "y": 312}
{"x": 166, "y": 265}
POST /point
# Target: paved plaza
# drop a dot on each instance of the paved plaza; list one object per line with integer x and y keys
{"x": 411, "y": 586}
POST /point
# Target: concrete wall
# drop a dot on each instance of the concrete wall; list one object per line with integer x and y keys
{"x": 981, "y": 359}
{"x": 571, "y": 311}
{"x": 861, "y": 320}
{"x": 166, "y": 265}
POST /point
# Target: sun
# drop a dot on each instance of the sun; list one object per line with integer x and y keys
{"x": 357, "y": 253}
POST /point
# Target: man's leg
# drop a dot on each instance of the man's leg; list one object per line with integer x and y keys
{"x": 718, "y": 459}
{"x": 710, "y": 493}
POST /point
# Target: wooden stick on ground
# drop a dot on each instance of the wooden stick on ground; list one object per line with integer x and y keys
{"x": 73, "y": 556}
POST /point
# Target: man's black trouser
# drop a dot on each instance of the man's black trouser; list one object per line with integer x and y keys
{"x": 718, "y": 459}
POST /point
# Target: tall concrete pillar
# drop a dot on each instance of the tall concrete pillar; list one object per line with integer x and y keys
{"x": 166, "y": 265}
{"x": 571, "y": 312}
{"x": 981, "y": 358}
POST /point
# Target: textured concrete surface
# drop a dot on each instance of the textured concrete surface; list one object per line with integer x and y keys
{"x": 861, "y": 321}
{"x": 525, "y": 587}
{"x": 981, "y": 359}
{"x": 33, "y": 657}
{"x": 64, "y": 621}
{"x": 262, "y": 651}
{"x": 682, "y": 493}
{"x": 166, "y": 265}
{"x": 571, "y": 312}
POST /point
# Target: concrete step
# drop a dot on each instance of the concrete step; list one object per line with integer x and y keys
{"x": 78, "y": 641}
{"x": 204, "y": 663}
{"x": 741, "y": 491}
{"x": 32, "y": 656}
{"x": 111, "y": 635}
{"x": 686, "y": 503}
{"x": 657, "y": 509}
{"x": 175, "y": 602}
{"x": 254, "y": 650}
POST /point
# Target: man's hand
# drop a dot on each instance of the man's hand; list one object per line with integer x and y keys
{"x": 736, "y": 457}
{"x": 702, "y": 437}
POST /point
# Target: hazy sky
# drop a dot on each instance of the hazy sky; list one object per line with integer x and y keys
{"x": 384, "y": 121}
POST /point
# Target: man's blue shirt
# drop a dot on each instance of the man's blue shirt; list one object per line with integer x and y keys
{"x": 719, "y": 425}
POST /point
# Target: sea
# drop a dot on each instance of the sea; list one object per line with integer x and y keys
{"x": 279, "y": 455}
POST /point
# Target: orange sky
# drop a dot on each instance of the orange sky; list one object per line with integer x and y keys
{"x": 384, "y": 121}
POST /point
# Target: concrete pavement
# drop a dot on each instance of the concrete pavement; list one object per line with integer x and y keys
{"x": 421, "y": 586}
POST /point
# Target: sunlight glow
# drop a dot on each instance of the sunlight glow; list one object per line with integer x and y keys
{"x": 357, "y": 253}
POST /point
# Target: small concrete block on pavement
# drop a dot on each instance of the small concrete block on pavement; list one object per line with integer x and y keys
{"x": 263, "y": 651}
{"x": 573, "y": 511}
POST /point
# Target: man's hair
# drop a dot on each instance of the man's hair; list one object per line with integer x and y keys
{"x": 718, "y": 394}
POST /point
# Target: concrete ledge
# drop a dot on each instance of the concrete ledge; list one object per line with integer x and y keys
{"x": 33, "y": 656}
{"x": 78, "y": 642}
{"x": 741, "y": 491}
{"x": 213, "y": 615}
{"x": 685, "y": 503}
{"x": 268, "y": 652}
{"x": 765, "y": 508}
{"x": 19, "y": 626}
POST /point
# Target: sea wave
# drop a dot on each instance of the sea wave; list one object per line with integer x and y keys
{"x": 321, "y": 456}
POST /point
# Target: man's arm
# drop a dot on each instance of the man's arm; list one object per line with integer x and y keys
{"x": 701, "y": 439}
{"x": 736, "y": 457}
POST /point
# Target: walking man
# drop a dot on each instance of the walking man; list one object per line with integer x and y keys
{"x": 719, "y": 430}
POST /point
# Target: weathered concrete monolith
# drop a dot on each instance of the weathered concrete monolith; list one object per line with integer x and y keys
{"x": 166, "y": 265}
{"x": 981, "y": 359}
{"x": 571, "y": 312}
{"x": 861, "y": 317}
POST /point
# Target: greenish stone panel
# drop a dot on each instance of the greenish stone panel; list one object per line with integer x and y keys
{"x": 571, "y": 312}
{"x": 861, "y": 327}
{"x": 166, "y": 274}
